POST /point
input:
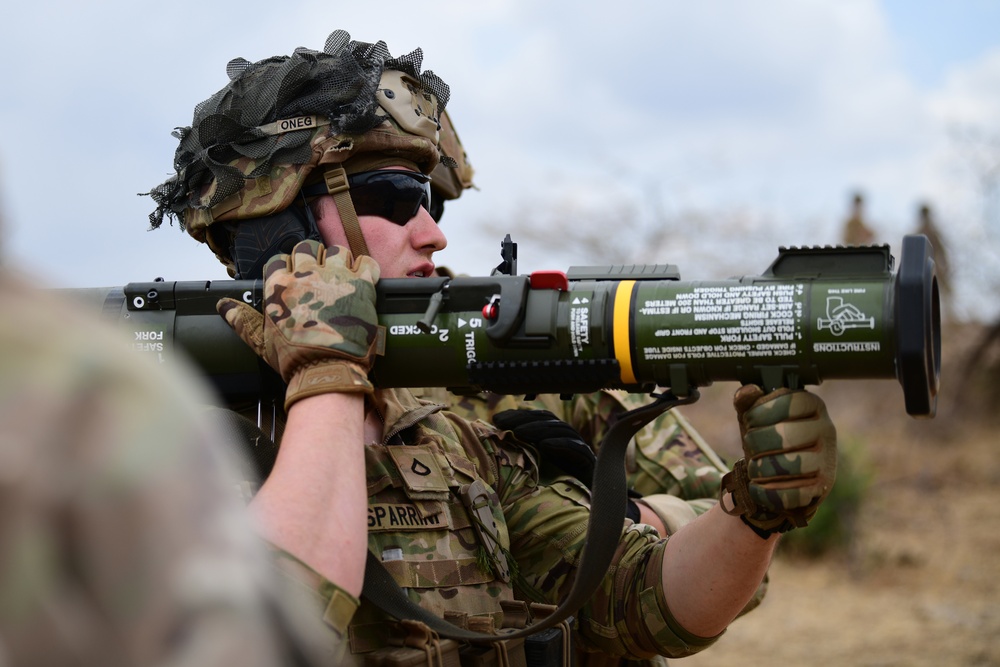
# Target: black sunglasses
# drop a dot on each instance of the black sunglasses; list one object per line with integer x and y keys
{"x": 393, "y": 194}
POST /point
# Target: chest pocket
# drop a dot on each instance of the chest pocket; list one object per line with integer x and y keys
{"x": 434, "y": 525}
{"x": 426, "y": 512}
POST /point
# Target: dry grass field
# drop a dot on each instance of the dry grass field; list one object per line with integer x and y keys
{"x": 919, "y": 583}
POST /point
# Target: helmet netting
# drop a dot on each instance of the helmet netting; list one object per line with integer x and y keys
{"x": 338, "y": 83}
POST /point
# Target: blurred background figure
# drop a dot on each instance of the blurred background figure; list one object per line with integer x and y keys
{"x": 856, "y": 231}
{"x": 927, "y": 227}
{"x": 123, "y": 537}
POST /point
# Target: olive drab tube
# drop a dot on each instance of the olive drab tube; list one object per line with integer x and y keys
{"x": 816, "y": 314}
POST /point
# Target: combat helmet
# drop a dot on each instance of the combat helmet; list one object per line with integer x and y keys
{"x": 304, "y": 121}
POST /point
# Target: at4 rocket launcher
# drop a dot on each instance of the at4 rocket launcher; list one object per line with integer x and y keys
{"x": 816, "y": 314}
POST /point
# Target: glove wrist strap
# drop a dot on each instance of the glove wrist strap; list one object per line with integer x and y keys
{"x": 326, "y": 377}
{"x": 737, "y": 482}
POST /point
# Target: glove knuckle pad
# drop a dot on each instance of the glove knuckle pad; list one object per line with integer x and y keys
{"x": 797, "y": 435}
{"x": 787, "y": 406}
{"x": 786, "y": 464}
{"x": 803, "y": 405}
{"x": 760, "y": 441}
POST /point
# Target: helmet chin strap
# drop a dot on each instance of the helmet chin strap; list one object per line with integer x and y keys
{"x": 338, "y": 187}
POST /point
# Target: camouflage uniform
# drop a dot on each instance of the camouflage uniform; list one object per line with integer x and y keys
{"x": 667, "y": 462}
{"x": 667, "y": 456}
{"x": 122, "y": 537}
{"x": 422, "y": 481}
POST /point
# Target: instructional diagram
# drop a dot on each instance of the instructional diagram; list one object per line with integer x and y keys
{"x": 841, "y": 316}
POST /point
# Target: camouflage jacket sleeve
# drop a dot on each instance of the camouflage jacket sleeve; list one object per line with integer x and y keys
{"x": 678, "y": 474}
{"x": 666, "y": 457}
{"x": 122, "y": 537}
{"x": 547, "y": 523}
{"x": 313, "y": 596}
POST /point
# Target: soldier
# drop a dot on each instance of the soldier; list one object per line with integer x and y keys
{"x": 123, "y": 540}
{"x": 335, "y": 147}
{"x": 927, "y": 227}
{"x": 856, "y": 230}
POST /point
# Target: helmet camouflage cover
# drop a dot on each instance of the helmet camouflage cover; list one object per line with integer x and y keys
{"x": 449, "y": 181}
{"x": 253, "y": 144}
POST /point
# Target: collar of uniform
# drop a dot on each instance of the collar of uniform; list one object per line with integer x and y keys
{"x": 400, "y": 409}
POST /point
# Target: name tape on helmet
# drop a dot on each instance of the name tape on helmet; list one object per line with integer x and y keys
{"x": 292, "y": 124}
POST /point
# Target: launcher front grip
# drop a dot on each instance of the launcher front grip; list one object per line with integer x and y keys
{"x": 815, "y": 314}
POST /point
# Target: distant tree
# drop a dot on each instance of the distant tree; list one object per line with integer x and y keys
{"x": 979, "y": 150}
{"x": 641, "y": 226}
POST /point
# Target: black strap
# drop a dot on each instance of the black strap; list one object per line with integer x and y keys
{"x": 607, "y": 515}
{"x": 258, "y": 450}
{"x": 608, "y": 503}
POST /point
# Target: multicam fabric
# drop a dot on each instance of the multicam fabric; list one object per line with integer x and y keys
{"x": 790, "y": 449}
{"x": 122, "y": 541}
{"x": 319, "y": 310}
{"x": 668, "y": 463}
{"x": 665, "y": 457}
{"x": 421, "y": 481}
{"x": 252, "y": 145}
{"x": 448, "y": 182}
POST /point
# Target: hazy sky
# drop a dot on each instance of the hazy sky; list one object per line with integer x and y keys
{"x": 772, "y": 112}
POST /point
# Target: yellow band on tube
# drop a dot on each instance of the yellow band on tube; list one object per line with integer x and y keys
{"x": 623, "y": 342}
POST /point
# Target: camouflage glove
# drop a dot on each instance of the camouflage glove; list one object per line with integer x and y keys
{"x": 790, "y": 459}
{"x": 319, "y": 328}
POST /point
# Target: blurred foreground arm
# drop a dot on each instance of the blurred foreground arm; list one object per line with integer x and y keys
{"x": 122, "y": 537}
